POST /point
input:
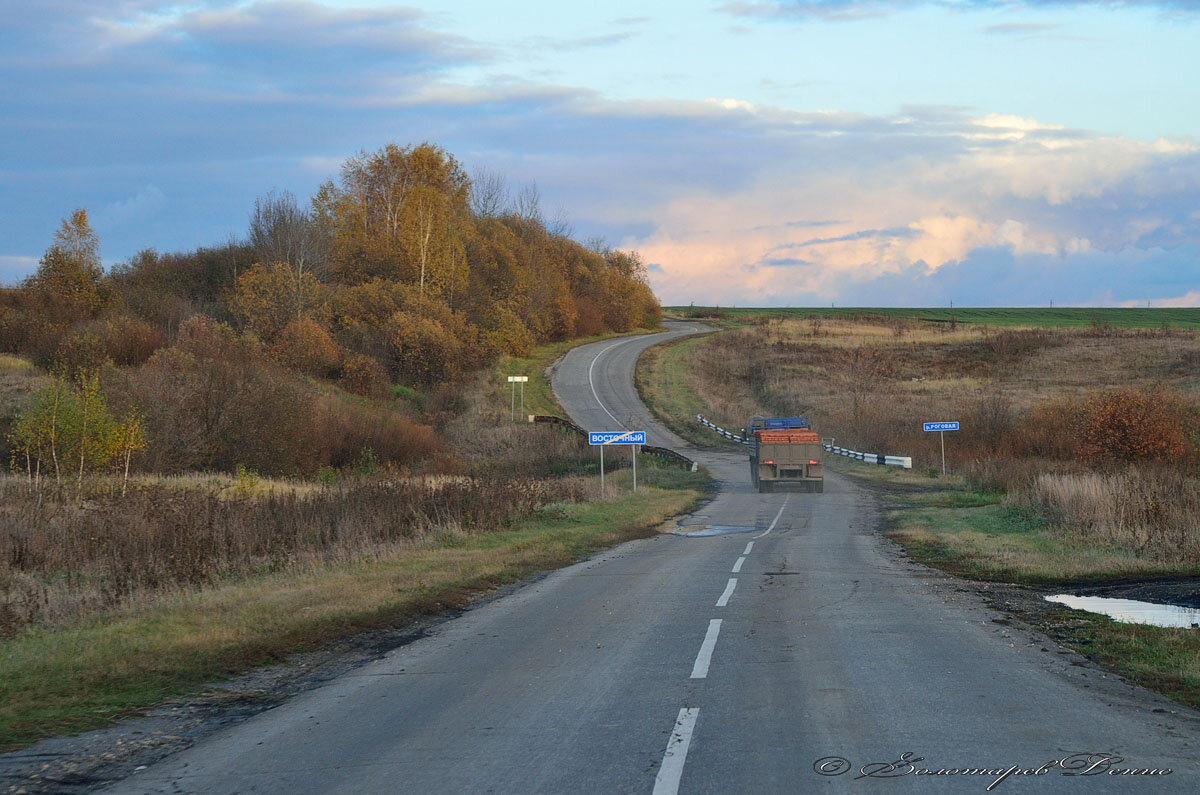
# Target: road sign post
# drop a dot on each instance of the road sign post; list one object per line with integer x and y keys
{"x": 941, "y": 428}
{"x": 513, "y": 380}
{"x": 603, "y": 439}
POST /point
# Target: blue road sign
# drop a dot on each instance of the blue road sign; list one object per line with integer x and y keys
{"x": 942, "y": 426}
{"x": 616, "y": 437}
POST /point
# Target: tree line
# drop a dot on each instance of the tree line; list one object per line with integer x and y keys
{"x": 401, "y": 271}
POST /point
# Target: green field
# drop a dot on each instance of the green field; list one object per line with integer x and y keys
{"x": 998, "y": 316}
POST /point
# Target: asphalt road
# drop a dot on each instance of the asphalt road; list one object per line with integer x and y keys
{"x": 729, "y": 663}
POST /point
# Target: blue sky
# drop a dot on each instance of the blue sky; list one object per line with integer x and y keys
{"x": 763, "y": 152}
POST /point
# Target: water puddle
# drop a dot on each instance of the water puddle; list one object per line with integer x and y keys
{"x": 1132, "y": 611}
{"x": 702, "y": 531}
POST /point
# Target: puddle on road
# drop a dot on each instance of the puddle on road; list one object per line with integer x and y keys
{"x": 702, "y": 531}
{"x": 1132, "y": 611}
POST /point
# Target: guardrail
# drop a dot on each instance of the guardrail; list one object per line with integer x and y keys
{"x": 646, "y": 449}
{"x": 737, "y": 437}
{"x": 870, "y": 458}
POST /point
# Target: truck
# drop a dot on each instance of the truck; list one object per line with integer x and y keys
{"x": 785, "y": 454}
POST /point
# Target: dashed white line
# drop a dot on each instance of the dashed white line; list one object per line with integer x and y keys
{"x": 776, "y": 519}
{"x": 671, "y": 769}
{"x": 724, "y": 600}
{"x": 704, "y": 658}
{"x": 749, "y": 546}
{"x": 738, "y": 566}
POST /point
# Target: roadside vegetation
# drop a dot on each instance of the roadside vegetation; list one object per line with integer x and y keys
{"x": 1077, "y": 463}
{"x": 216, "y": 458}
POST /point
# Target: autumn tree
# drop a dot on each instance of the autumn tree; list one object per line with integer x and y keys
{"x": 391, "y": 206}
{"x": 130, "y": 438}
{"x": 65, "y": 426}
{"x": 94, "y": 433}
{"x": 427, "y": 241}
{"x": 70, "y": 277}
{"x": 504, "y": 333}
{"x": 39, "y": 436}
{"x": 281, "y": 231}
{"x": 268, "y": 297}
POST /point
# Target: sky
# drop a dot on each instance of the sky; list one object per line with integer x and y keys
{"x": 755, "y": 152}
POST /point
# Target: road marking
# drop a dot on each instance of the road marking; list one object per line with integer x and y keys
{"x": 749, "y": 546}
{"x": 700, "y": 669}
{"x": 593, "y": 385}
{"x": 724, "y": 600}
{"x": 776, "y": 519}
{"x": 738, "y": 566}
{"x": 671, "y": 769}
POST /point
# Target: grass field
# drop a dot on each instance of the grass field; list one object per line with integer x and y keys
{"x": 1117, "y": 317}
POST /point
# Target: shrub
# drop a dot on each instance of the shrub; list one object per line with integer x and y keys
{"x": 129, "y": 342}
{"x": 213, "y": 401}
{"x": 343, "y": 431}
{"x": 305, "y": 346}
{"x": 80, "y": 351}
{"x": 363, "y": 375}
{"x": 423, "y": 349}
{"x": 1132, "y": 425}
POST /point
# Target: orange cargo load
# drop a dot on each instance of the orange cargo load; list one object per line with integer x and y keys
{"x": 788, "y": 436}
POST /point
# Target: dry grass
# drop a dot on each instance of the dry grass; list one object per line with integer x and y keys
{"x": 1153, "y": 512}
{"x": 62, "y": 561}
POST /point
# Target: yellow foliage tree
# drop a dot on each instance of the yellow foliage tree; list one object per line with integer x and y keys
{"x": 268, "y": 297}
{"x": 70, "y": 276}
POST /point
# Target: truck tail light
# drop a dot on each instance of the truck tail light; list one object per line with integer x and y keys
{"x": 812, "y": 461}
{"x": 769, "y": 462}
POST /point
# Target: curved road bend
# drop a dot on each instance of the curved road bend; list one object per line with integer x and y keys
{"x": 728, "y": 663}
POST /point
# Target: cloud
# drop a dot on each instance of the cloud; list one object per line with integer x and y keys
{"x": 137, "y": 207}
{"x": 1189, "y": 299}
{"x": 863, "y": 234}
{"x": 813, "y": 9}
{"x": 578, "y": 42}
{"x": 978, "y": 197}
{"x": 848, "y": 10}
{"x": 782, "y": 262}
{"x": 15, "y": 268}
{"x": 1020, "y": 28}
